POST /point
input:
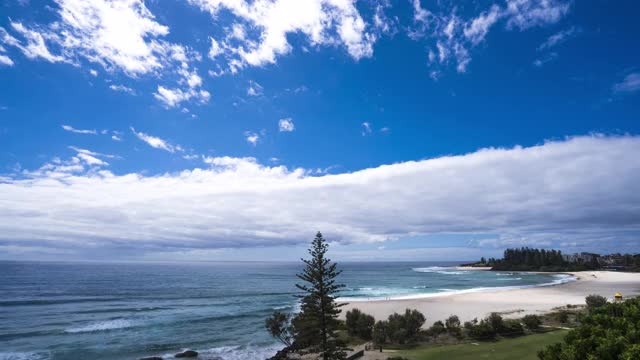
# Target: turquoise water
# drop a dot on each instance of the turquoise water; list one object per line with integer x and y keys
{"x": 126, "y": 311}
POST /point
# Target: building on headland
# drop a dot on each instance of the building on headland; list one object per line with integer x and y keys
{"x": 583, "y": 257}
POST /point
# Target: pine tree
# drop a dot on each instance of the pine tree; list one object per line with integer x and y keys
{"x": 316, "y": 325}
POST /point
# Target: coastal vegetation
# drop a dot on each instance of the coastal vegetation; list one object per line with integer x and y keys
{"x": 521, "y": 348}
{"x": 315, "y": 328}
{"x": 600, "y": 328}
{"x": 528, "y": 259}
{"x": 607, "y": 331}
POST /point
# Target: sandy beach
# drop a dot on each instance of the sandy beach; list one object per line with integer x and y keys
{"x": 509, "y": 302}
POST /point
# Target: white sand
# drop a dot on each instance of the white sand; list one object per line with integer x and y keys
{"x": 511, "y": 303}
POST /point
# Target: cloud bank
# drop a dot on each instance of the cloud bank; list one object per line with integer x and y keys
{"x": 580, "y": 190}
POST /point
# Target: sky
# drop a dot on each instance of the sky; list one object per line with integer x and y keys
{"x": 236, "y": 129}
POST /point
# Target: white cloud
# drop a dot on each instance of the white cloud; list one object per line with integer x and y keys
{"x": 580, "y": 190}
{"x": 116, "y": 138}
{"x": 93, "y": 72}
{"x": 453, "y": 37}
{"x": 366, "y": 128}
{"x": 122, "y": 88}
{"x": 254, "y": 89}
{"x": 5, "y": 60}
{"x": 322, "y": 22}
{"x": 524, "y": 14}
{"x": 120, "y": 35}
{"x": 476, "y": 29}
{"x": 252, "y": 137}
{"x": 35, "y": 46}
{"x": 78, "y": 131}
{"x": 286, "y": 125}
{"x": 215, "y": 49}
{"x": 174, "y": 97}
{"x": 156, "y": 142}
{"x": 630, "y": 84}
{"x": 545, "y": 59}
{"x": 559, "y": 38}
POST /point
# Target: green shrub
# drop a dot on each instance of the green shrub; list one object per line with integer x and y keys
{"x": 468, "y": 325}
{"x": 512, "y": 328}
{"x": 380, "y": 330}
{"x": 452, "y": 323}
{"x": 399, "y": 328}
{"x": 595, "y": 301}
{"x": 437, "y": 328}
{"x": 359, "y": 324}
{"x": 352, "y": 321}
{"x": 607, "y": 332}
{"x": 562, "y": 316}
{"x": 532, "y": 322}
{"x": 496, "y": 322}
{"x": 482, "y": 331}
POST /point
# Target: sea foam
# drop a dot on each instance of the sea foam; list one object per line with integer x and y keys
{"x": 102, "y": 326}
{"x": 559, "y": 279}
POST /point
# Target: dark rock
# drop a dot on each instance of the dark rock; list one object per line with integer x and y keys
{"x": 187, "y": 354}
{"x": 152, "y": 358}
{"x": 282, "y": 354}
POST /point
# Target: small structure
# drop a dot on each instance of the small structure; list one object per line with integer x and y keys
{"x": 618, "y": 296}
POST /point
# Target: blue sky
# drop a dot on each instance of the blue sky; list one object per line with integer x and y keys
{"x": 234, "y": 129}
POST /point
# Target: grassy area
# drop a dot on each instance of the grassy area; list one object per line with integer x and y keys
{"x": 521, "y": 348}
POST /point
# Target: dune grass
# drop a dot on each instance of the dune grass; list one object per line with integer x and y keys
{"x": 521, "y": 348}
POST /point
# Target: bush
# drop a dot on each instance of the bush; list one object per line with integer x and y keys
{"x": 563, "y": 317}
{"x": 468, "y": 325}
{"x": 380, "y": 330}
{"x": 399, "y": 328}
{"x": 359, "y": 324}
{"x": 482, "y": 331}
{"x": 595, "y": 301}
{"x": 532, "y": 322}
{"x": 452, "y": 323}
{"x": 496, "y": 322}
{"x": 608, "y": 332}
{"x": 437, "y": 328}
{"x": 352, "y": 321}
{"x": 512, "y": 328}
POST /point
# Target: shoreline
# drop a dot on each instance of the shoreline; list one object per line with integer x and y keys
{"x": 508, "y": 301}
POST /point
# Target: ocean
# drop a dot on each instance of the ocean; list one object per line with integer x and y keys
{"x": 100, "y": 311}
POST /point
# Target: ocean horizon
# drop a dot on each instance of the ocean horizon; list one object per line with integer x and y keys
{"x": 128, "y": 310}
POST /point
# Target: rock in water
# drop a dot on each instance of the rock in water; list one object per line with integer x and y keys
{"x": 187, "y": 354}
{"x": 152, "y": 358}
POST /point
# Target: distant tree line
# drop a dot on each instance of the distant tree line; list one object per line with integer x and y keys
{"x": 530, "y": 259}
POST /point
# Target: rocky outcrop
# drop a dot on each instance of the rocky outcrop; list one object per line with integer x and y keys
{"x": 151, "y": 358}
{"x": 187, "y": 354}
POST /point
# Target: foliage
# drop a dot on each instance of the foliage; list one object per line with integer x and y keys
{"x": 279, "y": 326}
{"x": 359, "y": 324}
{"x": 496, "y": 322}
{"x": 595, "y": 301}
{"x": 527, "y": 259}
{"x": 482, "y": 331}
{"x": 511, "y": 327}
{"x": 563, "y": 316}
{"x": 607, "y": 332}
{"x": 452, "y": 323}
{"x": 314, "y": 328}
{"x": 437, "y": 328}
{"x": 399, "y": 328}
{"x": 380, "y": 332}
{"x": 532, "y": 322}
{"x": 519, "y": 348}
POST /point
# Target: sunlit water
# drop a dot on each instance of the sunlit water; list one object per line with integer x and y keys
{"x": 127, "y": 311}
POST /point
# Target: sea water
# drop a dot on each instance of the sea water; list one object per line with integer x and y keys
{"x": 131, "y": 310}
